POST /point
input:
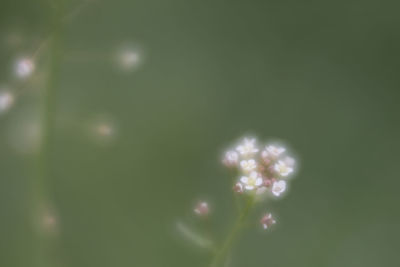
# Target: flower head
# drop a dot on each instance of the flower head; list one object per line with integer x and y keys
{"x": 247, "y": 147}
{"x": 267, "y": 220}
{"x": 278, "y": 187}
{"x": 282, "y": 168}
{"x": 248, "y": 165}
{"x": 252, "y": 181}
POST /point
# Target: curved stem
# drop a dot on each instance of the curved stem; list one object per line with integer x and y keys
{"x": 221, "y": 254}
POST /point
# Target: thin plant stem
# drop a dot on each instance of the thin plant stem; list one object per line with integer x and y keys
{"x": 44, "y": 172}
{"x": 220, "y": 256}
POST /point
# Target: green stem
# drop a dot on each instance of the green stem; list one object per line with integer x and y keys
{"x": 40, "y": 186}
{"x": 221, "y": 254}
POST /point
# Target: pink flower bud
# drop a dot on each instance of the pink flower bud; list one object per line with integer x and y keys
{"x": 267, "y": 220}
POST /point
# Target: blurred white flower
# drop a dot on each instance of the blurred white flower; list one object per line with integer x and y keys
{"x": 274, "y": 150}
{"x": 248, "y": 165}
{"x": 24, "y": 68}
{"x": 202, "y": 209}
{"x": 6, "y": 101}
{"x": 282, "y": 168}
{"x": 278, "y": 188}
{"x": 252, "y": 181}
{"x": 267, "y": 220}
{"x": 104, "y": 129}
{"x": 231, "y": 158}
{"x": 128, "y": 58}
{"x": 247, "y": 147}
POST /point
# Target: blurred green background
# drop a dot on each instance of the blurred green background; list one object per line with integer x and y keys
{"x": 320, "y": 75}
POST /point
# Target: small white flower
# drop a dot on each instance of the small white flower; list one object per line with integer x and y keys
{"x": 282, "y": 168}
{"x": 275, "y": 151}
{"x": 252, "y": 181}
{"x": 231, "y": 158}
{"x": 24, "y": 68}
{"x": 248, "y": 165}
{"x": 6, "y": 101}
{"x": 278, "y": 188}
{"x": 247, "y": 147}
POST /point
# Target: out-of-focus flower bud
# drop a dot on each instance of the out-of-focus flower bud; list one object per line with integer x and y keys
{"x": 24, "y": 68}
{"x": 202, "y": 209}
{"x": 238, "y": 188}
{"x": 267, "y": 221}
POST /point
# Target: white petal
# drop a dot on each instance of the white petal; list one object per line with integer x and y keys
{"x": 259, "y": 181}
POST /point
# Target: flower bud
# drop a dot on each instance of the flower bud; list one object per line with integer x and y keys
{"x": 24, "y": 68}
{"x": 267, "y": 221}
{"x": 238, "y": 188}
{"x": 202, "y": 209}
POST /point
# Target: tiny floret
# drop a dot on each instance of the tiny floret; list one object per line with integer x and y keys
{"x": 247, "y": 147}
{"x": 252, "y": 181}
{"x": 248, "y": 165}
{"x": 282, "y": 168}
{"x": 278, "y": 187}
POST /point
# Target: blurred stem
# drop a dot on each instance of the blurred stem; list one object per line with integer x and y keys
{"x": 40, "y": 187}
{"x": 220, "y": 256}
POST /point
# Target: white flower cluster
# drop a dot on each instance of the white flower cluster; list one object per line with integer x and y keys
{"x": 261, "y": 170}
